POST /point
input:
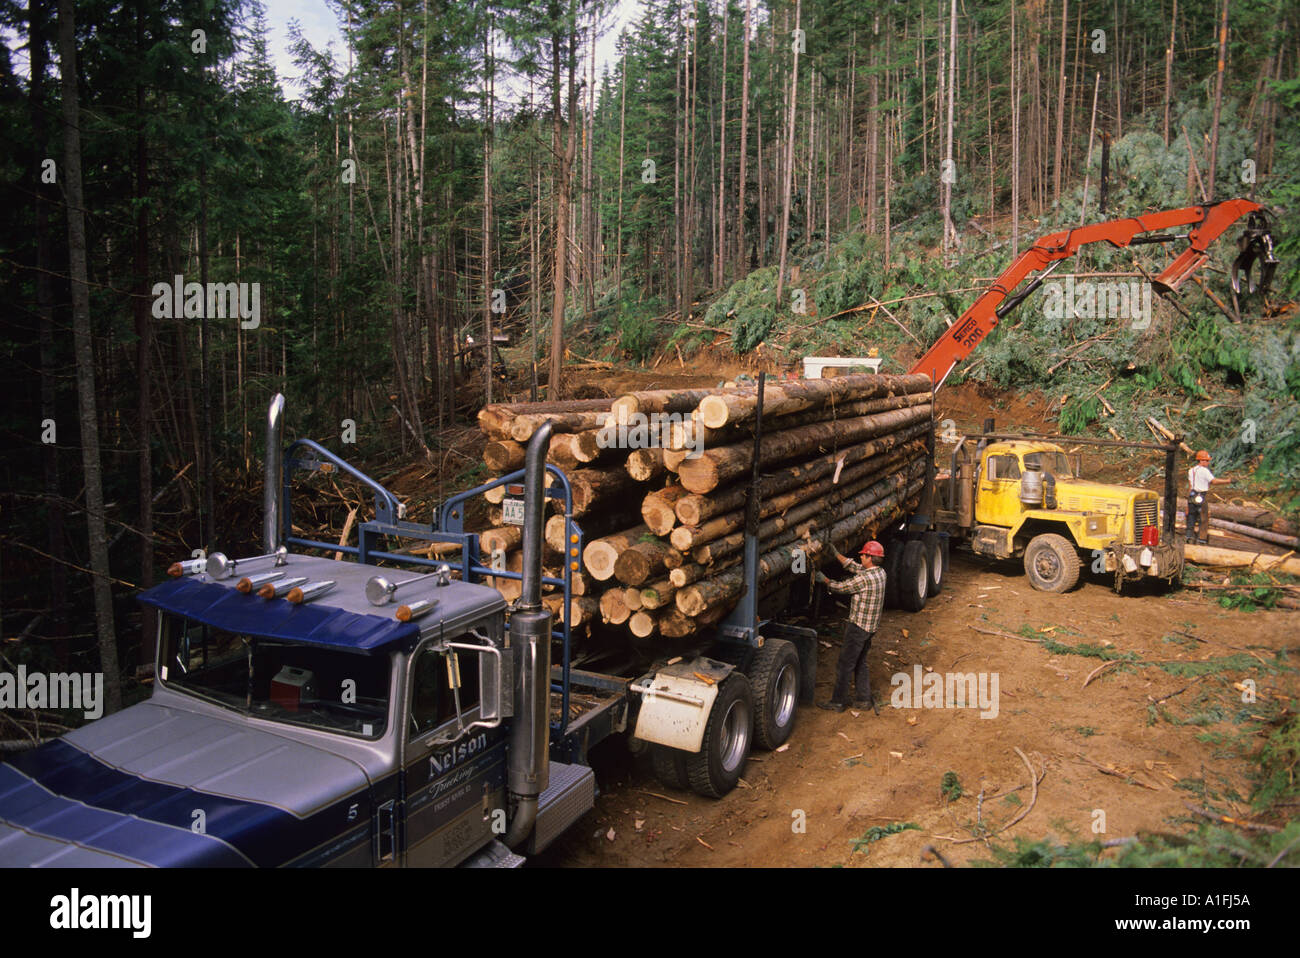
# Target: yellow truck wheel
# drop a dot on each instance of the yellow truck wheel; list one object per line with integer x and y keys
{"x": 1051, "y": 563}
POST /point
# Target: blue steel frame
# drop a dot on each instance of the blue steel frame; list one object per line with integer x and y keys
{"x": 448, "y": 526}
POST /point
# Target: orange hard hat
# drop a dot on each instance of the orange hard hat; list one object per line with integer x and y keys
{"x": 872, "y": 548}
{"x": 1202, "y": 456}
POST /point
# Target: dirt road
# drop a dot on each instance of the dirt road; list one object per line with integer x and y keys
{"x": 1162, "y": 728}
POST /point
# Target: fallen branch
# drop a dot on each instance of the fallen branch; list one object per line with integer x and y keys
{"x": 1229, "y": 820}
{"x": 675, "y": 801}
{"x": 1034, "y": 779}
{"x": 1101, "y": 668}
{"x": 1111, "y": 770}
{"x": 1005, "y": 635}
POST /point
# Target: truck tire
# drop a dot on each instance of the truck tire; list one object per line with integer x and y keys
{"x": 670, "y": 766}
{"x": 774, "y": 679}
{"x": 914, "y": 576}
{"x": 1051, "y": 563}
{"x": 715, "y": 769}
{"x": 892, "y": 565}
{"x": 936, "y": 556}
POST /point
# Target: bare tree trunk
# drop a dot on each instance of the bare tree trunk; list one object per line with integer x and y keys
{"x": 86, "y": 406}
{"x": 1060, "y": 111}
{"x": 873, "y": 134}
{"x": 563, "y": 190}
{"x": 45, "y": 198}
{"x": 720, "y": 247}
{"x": 622, "y": 128}
{"x": 762, "y": 194}
{"x": 787, "y": 174}
{"x": 741, "y": 263}
{"x": 1015, "y": 136}
{"x": 488, "y": 347}
{"x": 949, "y": 228}
{"x": 1213, "y": 169}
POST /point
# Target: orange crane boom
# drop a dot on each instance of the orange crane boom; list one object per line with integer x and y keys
{"x": 1208, "y": 222}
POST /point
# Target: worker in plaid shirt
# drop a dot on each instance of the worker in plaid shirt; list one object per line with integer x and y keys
{"x": 867, "y": 587}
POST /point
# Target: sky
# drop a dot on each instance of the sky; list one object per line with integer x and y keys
{"x": 320, "y": 26}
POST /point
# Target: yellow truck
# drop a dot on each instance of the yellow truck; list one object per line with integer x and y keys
{"x": 1013, "y": 496}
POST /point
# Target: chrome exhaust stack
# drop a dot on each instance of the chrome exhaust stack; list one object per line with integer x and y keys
{"x": 527, "y": 762}
{"x": 273, "y": 477}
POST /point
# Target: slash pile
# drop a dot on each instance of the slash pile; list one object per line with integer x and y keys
{"x": 660, "y": 481}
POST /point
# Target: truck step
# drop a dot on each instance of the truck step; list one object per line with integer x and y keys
{"x": 494, "y": 855}
{"x": 570, "y": 794}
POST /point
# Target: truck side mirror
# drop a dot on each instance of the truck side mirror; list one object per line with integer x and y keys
{"x": 495, "y": 693}
{"x": 1076, "y": 465}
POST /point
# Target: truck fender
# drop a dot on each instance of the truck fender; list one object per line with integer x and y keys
{"x": 676, "y": 701}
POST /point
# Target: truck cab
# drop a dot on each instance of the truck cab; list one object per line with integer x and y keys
{"x": 317, "y": 732}
{"x": 1025, "y": 498}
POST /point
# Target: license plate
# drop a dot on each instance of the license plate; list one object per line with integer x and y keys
{"x": 512, "y": 511}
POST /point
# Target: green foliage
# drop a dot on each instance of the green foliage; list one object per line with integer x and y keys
{"x": 876, "y": 832}
{"x": 1078, "y": 413}
{"x": 950, "y": 786}
{"x": 1278, "y": 761}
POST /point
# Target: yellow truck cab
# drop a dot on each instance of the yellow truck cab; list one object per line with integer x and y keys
{"x": 1025, "y": 498}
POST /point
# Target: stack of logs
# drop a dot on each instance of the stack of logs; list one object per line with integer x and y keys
{"x": 660, "y": 494}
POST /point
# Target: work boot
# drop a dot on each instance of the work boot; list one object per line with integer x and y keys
{"x": 832, "y": 706}
{"x": 869, "y": 702}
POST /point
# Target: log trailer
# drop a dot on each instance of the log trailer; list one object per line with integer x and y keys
{"x": 1007, "y": 496}
{"x": 309, "y": 710}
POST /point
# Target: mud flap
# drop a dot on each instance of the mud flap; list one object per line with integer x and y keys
{"x": 676, "y": 701}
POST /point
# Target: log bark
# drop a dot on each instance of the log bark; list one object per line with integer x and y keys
{"x": 726, "y": 587}
{"x": 821, "y": 493}
{"x": 504, "y": 538}
{"x": 656, "y": 595}
{"x": 645, "y": 465}
{"x": 716, "y": 466}
{"x": 693, "y": 434}
{"x": 503, "y": 455}
{"x": 694, "y": 509}
{"x": 1233, "y": 559}
{"x": 657, "y": 509}
{"x": 524, "y": 425}
{"x": 560, "y": 451}
{"x": 658, "y": 401}
{"x": 1249, "y": 515}
{"x": 1263, "y": 535}
{"x": 816, "y": 515}
{"x": 783, "y": 398}
{"x": 583, "y": 610}
{"x": 675, "y": 624}
{"x": 641, "y": 560}
{"x": 673, "y": 458}
{"x": 593, "y": 527}
{"x": 600, "y": 555}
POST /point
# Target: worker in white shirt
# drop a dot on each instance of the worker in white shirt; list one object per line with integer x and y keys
{"x": 1199, "y": 480}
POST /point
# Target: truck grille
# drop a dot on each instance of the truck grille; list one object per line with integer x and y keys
{"x": 1144, "y": 514}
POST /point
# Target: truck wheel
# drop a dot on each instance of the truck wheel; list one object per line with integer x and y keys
{"x": 936, "y": 556}
{"x": 914, "y": 576}
{"x": 715, "y": 769}
{"x": 1051, "y": 563}
{"x": 892, "y": 564}
{"x": 775, "y": 682}
{"x": 670, "y": 766}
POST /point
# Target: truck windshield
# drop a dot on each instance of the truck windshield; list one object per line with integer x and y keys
{"x": 281, "y": 681}
{"x": 1054, "y": 462}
